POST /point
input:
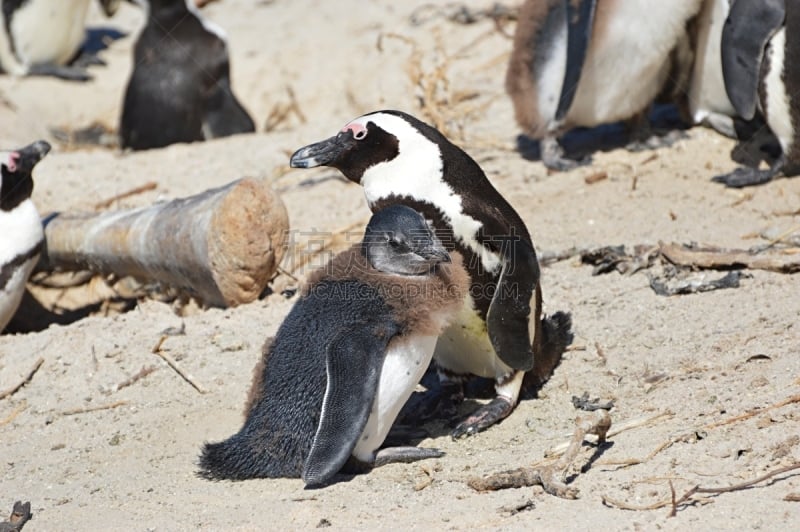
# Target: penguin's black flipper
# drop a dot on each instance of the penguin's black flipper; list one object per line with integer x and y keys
{"x": 747, "y": 30}
{"x": 509, "y": 312}
{"x": 225, "y": 116}
{"x": 354, "y": 362}
{"x": 580, "y": 20}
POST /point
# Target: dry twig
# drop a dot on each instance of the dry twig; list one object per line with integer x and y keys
{"x": 550, "y": 477}
{"x": 9, "y": 418}
{"x": 718, "y": 258}
{"x": 748, "y": 415}
{"x": 686, "y": 498}
{"x": 14, "y": 389}
{"x": 174, "y": 365}
{"x": 144, "y": 372}
{"x": 86, "y": 410}
{"x": 150, "y": 185}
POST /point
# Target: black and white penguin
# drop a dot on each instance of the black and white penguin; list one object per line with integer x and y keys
{"x": 708, "y": 101}
{"x": 761, "y": 69}
{"x": 44, "y": 38}
{"x": 180, "y": 89}
{"x": 20, "y": 225}
{"x": 346, "y": 359}
{"x": 499, "y": 333}
{"x": 583, "y": 63}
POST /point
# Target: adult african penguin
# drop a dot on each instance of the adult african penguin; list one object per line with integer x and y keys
{"x": 761, "y": 69}
{"x": 499, "y": 332}
{"x": 346, "y": 359}
{"x": 20, "y": 225}
{"x": 582, "y": 63}
{"x": 179, "y": 90}
{"x": 44, "y": 37}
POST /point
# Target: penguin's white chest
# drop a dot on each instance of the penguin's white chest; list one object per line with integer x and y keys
{"x": 464, "y": 347}
{"x": 21, "y": 231}
{"x": 626, "y": 64}
{"x": 405, "y": 363}
{"x": 48, "y": 32}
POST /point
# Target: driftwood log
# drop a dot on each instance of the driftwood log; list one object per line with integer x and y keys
{"x": 222, "y": 245}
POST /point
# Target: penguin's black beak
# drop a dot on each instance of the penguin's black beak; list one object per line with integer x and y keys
{"x": 24, "y": 159}
{"x": 434, "y": 254}
{"x": 30, "y": 155}
{"x": 323, "y": 153}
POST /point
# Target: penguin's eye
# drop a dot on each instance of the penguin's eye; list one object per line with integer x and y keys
{"x": 360, "y": 134}
{"x": 396, "y": 244}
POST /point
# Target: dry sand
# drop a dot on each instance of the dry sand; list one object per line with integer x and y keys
{"x": 696, "y": 360}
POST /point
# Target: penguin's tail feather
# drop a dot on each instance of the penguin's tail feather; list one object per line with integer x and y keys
{"x": 232, "y": 459}
{"x": 556, "y": 336}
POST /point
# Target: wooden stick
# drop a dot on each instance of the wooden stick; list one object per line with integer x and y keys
{"x": 14, "y": 389}
{"x": 748, "y": 415}
{"x": 144, "y": 372}
{"x": 13, "y": 415}
{"x": 714, "y": 258}
{"x": 222, "y": 245}
{"x": 174, "y": 365}
{"x": 550, "y": 477}
{"x": 150, "y": 185}
{"x": 86, "y": 410}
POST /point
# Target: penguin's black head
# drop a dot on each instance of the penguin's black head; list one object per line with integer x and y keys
{"x": 399, "y": 240}
{"x": 369, "y": 140}
{"x": 16, "y": 184}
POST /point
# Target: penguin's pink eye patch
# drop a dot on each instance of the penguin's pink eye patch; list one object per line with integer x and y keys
{"x": 359, "y": 130}
{"x": 11, "y": 163}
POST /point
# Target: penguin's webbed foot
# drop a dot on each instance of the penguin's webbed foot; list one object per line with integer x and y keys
{"x": 499, "y": 408}
{"x": 86, "y": 59}
{"x": 652, "y": 141}
{"x": 553, "y": 156}
{"x": 745, "y": 177}
{"x": 69, "y": 73}
{"x": 441, "y": 403}
{"x": 404, "y": 455}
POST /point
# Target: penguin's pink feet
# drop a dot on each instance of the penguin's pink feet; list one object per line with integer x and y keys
{"x": 498, "y": 409}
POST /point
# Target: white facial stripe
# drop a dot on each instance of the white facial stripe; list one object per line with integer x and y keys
{"x": 416, "y": 172}
{"x": 207, "y": 24}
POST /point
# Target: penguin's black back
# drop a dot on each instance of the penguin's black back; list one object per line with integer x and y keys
{"x": 180, "y": 79}
{"x": 281, "y": 424}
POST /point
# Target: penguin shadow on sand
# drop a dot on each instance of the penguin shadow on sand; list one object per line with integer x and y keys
{"x": 579, "y": 144}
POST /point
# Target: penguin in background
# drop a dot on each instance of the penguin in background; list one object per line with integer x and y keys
{"x": 499, "y": 332}
{"x": 346, "y": 359}
{"x": 760, "y": 53}
{"x": 180, "y": 89}
{"x": 583, "y": 63}
{"x": 44, "y": 37}
{"x": 20, "y": 225}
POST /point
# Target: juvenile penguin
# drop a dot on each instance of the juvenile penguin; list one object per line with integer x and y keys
{"x": 582, "y": 63}
{"x": 499, "y": 332}
{"x": 44, "y": 37}
{"x": 347, "y": 358}
{"x": 20, "y": 225}
{"x": 180, "y": 89}
{"x": 761, "y": 68}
